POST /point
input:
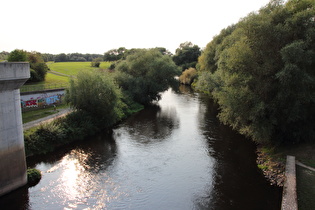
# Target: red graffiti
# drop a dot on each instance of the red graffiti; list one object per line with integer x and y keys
{"x": 31, "y": 103}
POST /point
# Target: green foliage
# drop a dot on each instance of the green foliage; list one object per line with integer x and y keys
{"x": 146, "y": 73}
{"x": 188, "y": 76}
{"x": 95, "y": 93}
{"x": 17, "y": 56}
{"x": 38, "y": 67}
{"x": 115, "y": 54}
{"x": 186, "y": 55}
{"x": 4, "y": 55}
{"x": 33, "y": 176}
{"x": 96, "y": 62}
{"x": 261, "y": 72}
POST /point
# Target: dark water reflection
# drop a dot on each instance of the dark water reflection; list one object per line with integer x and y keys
{"x": 173, "y": 155}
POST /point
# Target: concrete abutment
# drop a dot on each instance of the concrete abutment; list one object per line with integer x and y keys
{"x": 12, "y": 154}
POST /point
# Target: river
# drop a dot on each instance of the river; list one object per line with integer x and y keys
{"x": 173, "y": 155}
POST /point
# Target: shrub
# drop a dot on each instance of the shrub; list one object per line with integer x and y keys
{"x": 188, "y": 76}
{"x": 33, "y": 176}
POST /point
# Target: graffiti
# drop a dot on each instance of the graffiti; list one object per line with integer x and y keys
{"x": 41, "y": 101}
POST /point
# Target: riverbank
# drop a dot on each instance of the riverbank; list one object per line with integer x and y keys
{"x": 45, "y": 135}
{"x": 271, "y": 160}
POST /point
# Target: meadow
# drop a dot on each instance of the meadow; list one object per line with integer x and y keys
{"x": 60, "y": 74}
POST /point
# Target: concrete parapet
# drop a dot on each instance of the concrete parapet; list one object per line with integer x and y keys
{"x": 12, "y": 154}
{"x": 289, "y": 196}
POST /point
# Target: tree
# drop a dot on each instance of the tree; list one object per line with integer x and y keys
{"x": 186, "y": 55}
{"x": 145, "y": 74}
{"x": 115, "y": 54}
{"x": 38, "y": 68}
{"x": 4, "y": 55}
{"x": 188, "y": 76}
{"x": 95, "y": 93}
{"x": 261, "y": 72}
{"x": 62, "y": 57}
{"x": 17, "y": 56}
{"x": 96, "y": 62}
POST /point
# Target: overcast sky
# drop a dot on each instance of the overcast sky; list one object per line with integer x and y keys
{"x": 96, "y": 26}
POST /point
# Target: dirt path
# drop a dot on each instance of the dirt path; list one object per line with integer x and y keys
{"x": 61, "y": 113}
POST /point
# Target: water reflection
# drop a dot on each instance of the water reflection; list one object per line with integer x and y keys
{"x": 236, "y": 172}
{"x": 153, "y": 124}
{"x": 175, "y": 155}
{"x": 73, "y": 180}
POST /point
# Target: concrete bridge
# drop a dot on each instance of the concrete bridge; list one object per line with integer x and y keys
{"x": 12, "y": 155}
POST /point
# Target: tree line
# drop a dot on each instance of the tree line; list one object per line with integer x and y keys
{"x": 261, "y": 71}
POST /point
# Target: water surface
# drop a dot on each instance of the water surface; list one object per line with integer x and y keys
{"x": 173, "y": 155}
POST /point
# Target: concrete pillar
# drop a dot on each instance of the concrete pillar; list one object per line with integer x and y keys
{"x": 12, "y": 154}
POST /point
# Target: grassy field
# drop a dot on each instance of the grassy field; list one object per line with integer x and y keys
{"x": 72, "y": 68}
{"x": 60, "y": 75}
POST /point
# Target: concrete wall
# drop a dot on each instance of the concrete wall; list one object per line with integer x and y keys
{"x": 289, "y": 196}
{"x": 41, "y": 99}
{"x": 12, "y": 154}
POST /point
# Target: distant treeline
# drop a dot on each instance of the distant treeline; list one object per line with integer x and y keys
{"x": 62, "y": 57}
{"x": 71, "y": 57}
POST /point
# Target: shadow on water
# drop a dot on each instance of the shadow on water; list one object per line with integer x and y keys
{"x": 237, "y": 175}
{"x": 152, "y": 124}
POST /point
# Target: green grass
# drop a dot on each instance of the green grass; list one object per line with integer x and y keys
{"x": 60, "y": 75}
{"x": 72, "y": 68}
{"x": 40, "y": 113}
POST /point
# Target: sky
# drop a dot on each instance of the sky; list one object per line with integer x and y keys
{"x": 96, "y": 26}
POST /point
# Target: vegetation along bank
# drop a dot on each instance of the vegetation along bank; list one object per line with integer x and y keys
{"x": 101, "y": 99}
{"x": 261, "y": 72}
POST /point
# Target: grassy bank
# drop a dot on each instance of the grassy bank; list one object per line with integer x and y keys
{"x": 41, "y": 113}
{"x": 75, "y": 126}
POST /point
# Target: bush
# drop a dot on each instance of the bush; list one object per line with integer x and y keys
{"x": 17, "y": 56}
{"x": 95, "y": 93}
{"x": 96, "y": 62}
{"x": 188, "y": 76}
{"x": 33, "y": 176}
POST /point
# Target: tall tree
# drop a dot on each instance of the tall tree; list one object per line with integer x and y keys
{"x": 145, "y": 74}
{"x": 186, "y": 55}
{"x": 262, "y": 73}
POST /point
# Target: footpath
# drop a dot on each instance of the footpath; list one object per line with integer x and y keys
{"x": 60, "y": 113}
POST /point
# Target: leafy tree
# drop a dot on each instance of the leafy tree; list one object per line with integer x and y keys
{"x": 95, "y": 93}
{"x": 188, "y": 76}
{"x": 115, "y": 54}
{"x": 96, "y": 62}
{"x": 261, "y": 72}
{"x": 187, "y": 55}
{"x": 38, "y": 68}
{"x": 4, "y": 55}
{"x": 146, "y": 73}
{"x": 17, "y": 56}
{"x": 62, "y": 57}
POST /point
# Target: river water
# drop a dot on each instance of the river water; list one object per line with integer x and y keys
{"x": 173, "y": 155}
